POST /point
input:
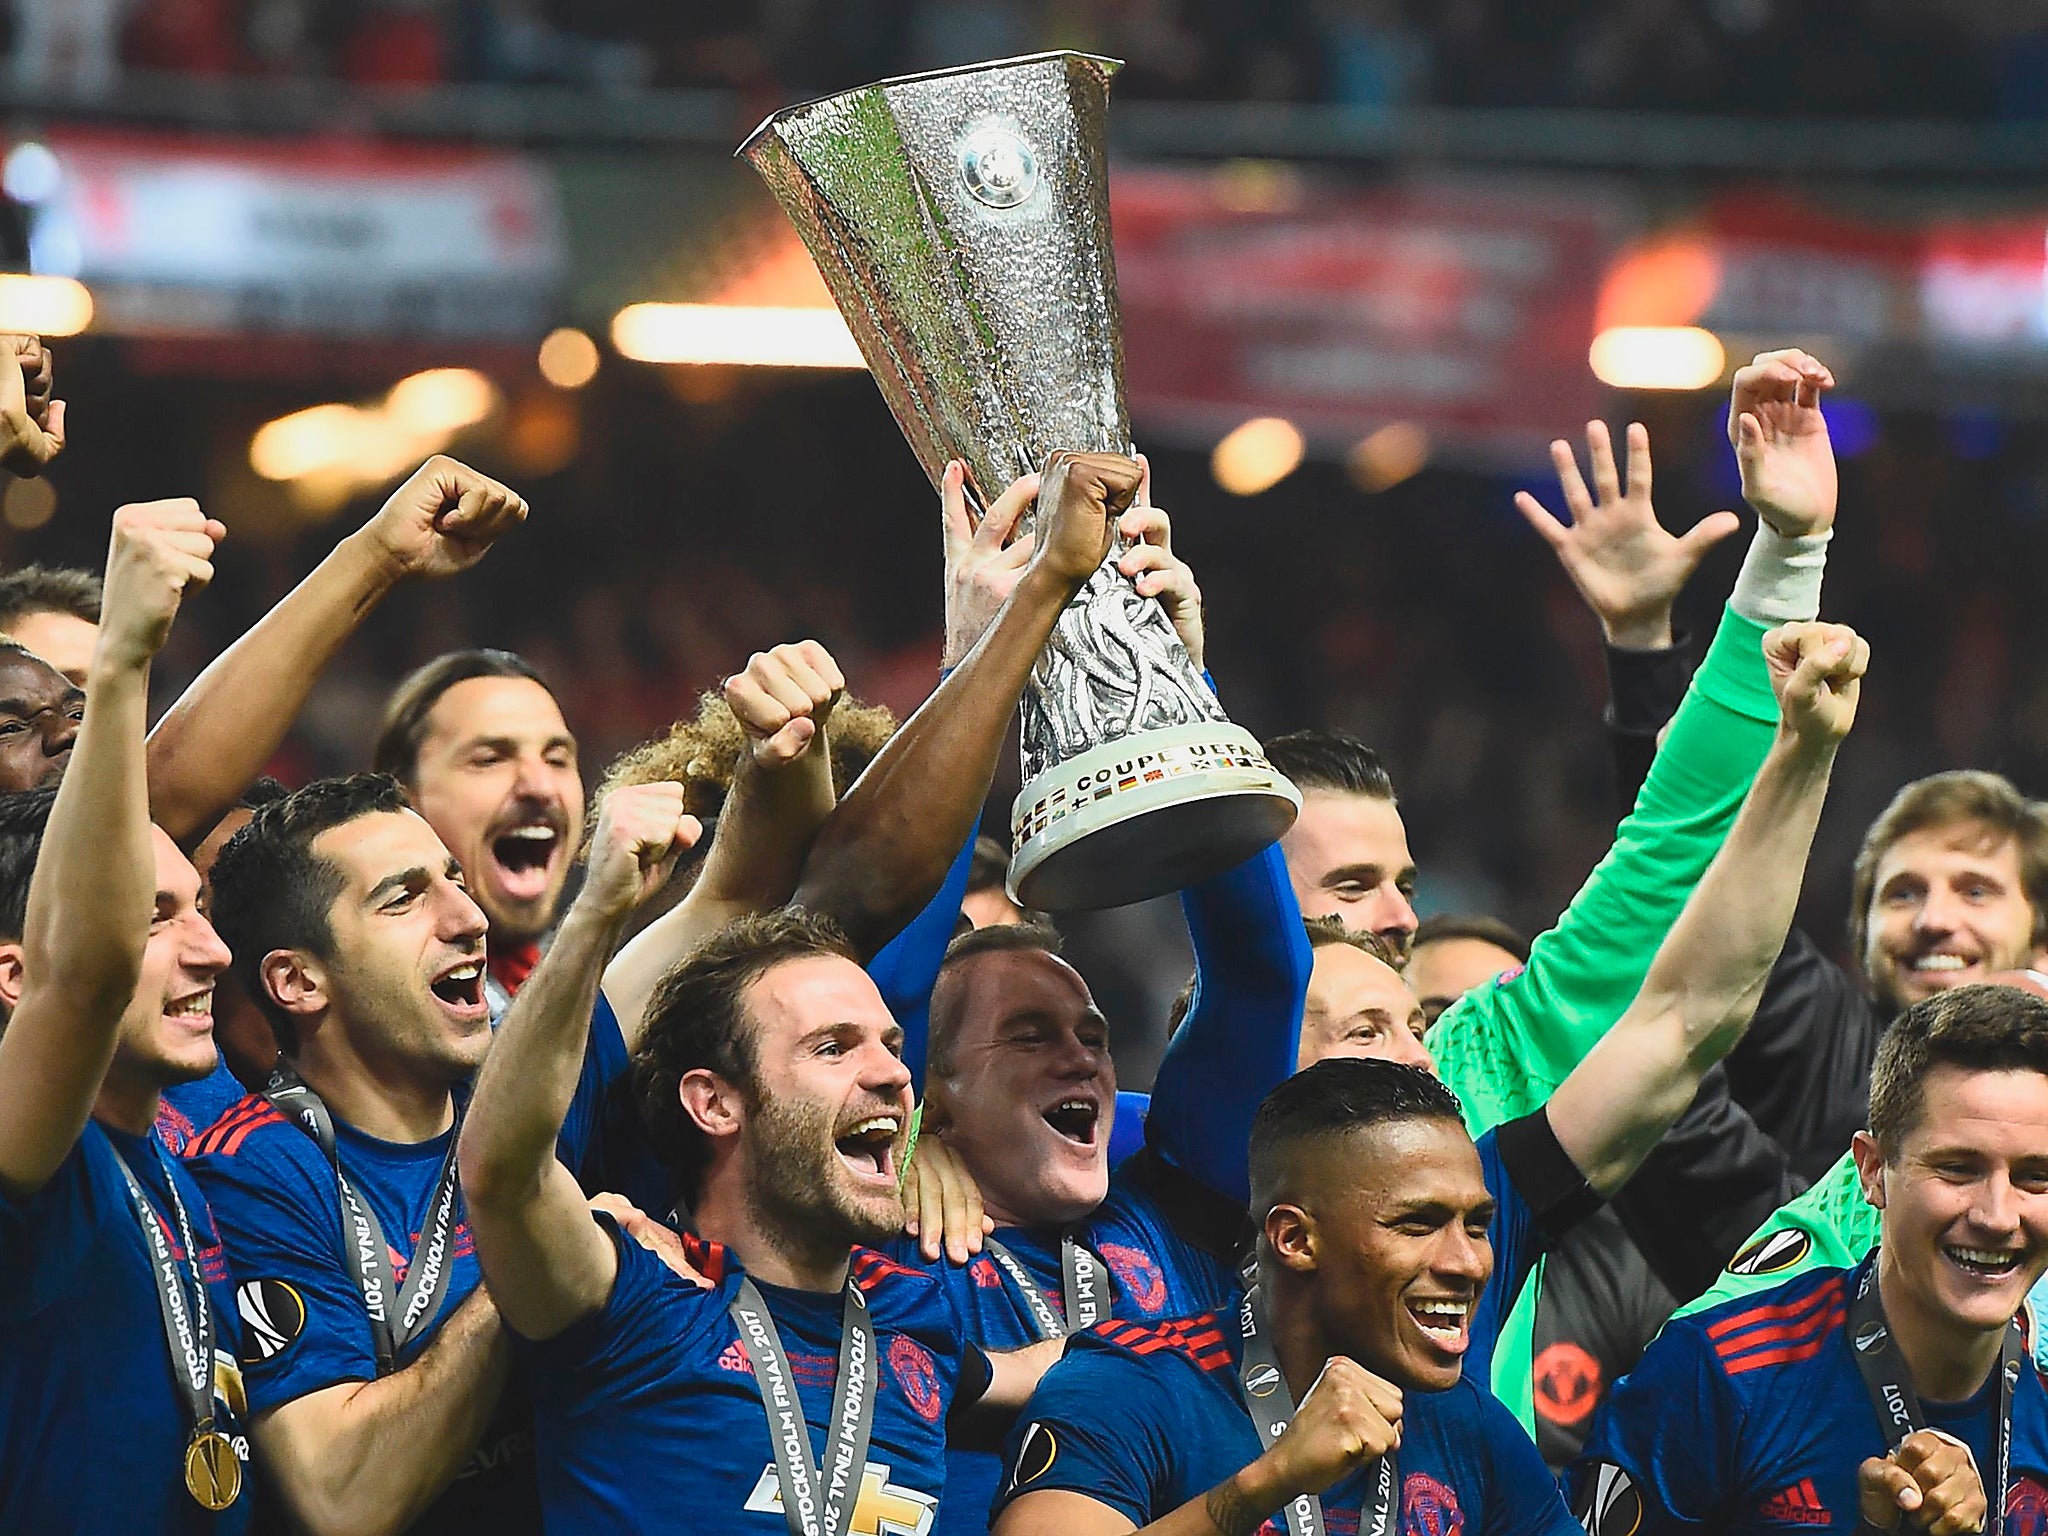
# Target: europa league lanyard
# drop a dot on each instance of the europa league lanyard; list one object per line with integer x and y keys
{"x": 1082, "y": 1280}
{"x": 1272, "y": 1408}
{"x": 814, "y": 1502}
{"x": 368, "y": 1254}
{"x": 213, "y": 1470}
{"x": 1891, "y": 1386}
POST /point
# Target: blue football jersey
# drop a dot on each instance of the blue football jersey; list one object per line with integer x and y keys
{"x": 1155, "y": 1273}
{"x": 304, "y": 1324}
{"x": 93, "y": 1428}
{"x": 185, "y": 1109}
{"x": 1179, "y": 1427}
{"x": 1752, "y": 1416}
{"x": 647, "y": 1417}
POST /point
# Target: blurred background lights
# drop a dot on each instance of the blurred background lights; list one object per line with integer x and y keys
{"x": 329, "y": 452}
{"x": 568, "y": 358}
{"x": 30, "y": 174}
{"x": 28, "y": 504}
{"x": 441, "y": 401}
{"x": 1257, "y": 456}
{"x": 1852, "y": 425}
{"x": 746, "y": 335}
{"x": 1388, "y": 456}
{"x": 43, "y": 306}
{"x": 1657, "y": 357}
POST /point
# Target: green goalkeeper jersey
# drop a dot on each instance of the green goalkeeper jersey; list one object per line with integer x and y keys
{"x": 1505, "y": 1048}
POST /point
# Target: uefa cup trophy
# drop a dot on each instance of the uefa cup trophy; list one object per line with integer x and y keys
{"x": 961, "y": 220}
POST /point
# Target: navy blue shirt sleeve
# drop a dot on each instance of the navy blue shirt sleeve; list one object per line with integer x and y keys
{"x": 1124, "y": 1460}
{"x": 907, "y": 966}
{"x": 280, "y": 1219}
{"x": 1522, "y": 1498}
{"x": 1661, "y": 1454}
{"x": 52, "y": 1230}
{"x": 1242, "y": 1033}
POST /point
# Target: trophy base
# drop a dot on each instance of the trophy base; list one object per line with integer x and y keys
{"x": 1144, "y": 815}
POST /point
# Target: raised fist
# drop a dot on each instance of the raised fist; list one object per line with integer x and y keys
{"x": 1350, "y": 1417}
{"x": 1817, "y": 673}
{"x": 1080, "y": 497}
{"x": 641, "y": 831}
{"x": 1781, "y": 441}
{"x": 1930, "y": 1483}
{"x": 157, "y": 551}
{"x": 443, "y": 519}
{"x": 31, "y": 423}
{"x": 783, "y": 700}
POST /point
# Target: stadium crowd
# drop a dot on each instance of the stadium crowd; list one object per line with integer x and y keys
{"x": 1968, "y": 59}
{"x": 438, "y": 1148}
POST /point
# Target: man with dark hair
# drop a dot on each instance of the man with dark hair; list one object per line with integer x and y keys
{"x": 120, "y": 1404}
{"x": 481, "y": 747}
{"x": 1373, "y": 1248}
{"x": 771, "y": 1080}
{"x": 55, "y": 612}
{"x": 1595, "y": 1129}
{"x": 376, "y": 1364}
{"x": 823, "y": 1040}
{"x": 1347, "y": 852}
{"x": 987, "y": 903}
{"x": 39, "y": 715}
{"x": 1451, "y": 954}
{"x": 1893, "y": 1392}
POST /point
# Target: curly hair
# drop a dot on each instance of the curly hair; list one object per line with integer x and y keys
{"x": 700, "y": 753}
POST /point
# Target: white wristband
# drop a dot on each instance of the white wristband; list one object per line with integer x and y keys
{"x": 1780, "y": 580}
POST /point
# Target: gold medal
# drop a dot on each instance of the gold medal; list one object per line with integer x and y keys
{"x": 213, "y": 1472}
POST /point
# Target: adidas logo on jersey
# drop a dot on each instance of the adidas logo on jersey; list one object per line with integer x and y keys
{"x": 1798, "y": 1505}
{"x": 884, "y": 1508}
{"x": 735, "y": 1358}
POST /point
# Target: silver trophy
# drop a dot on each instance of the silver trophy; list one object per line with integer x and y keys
{"x": 961, "y": 220}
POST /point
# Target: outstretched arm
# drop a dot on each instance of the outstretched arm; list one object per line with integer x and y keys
{"x": 1506, "y": 1049}
{"x": 781, "y": 794}
{"x": 1704, "y": 983}
{"x": 548, "y": 1263}
{"x": 89, "y": 900}
{"x": 887, "y": 846}
{"x": 1629, "y": 570}
{"x": 214, "y": 741}
{"x": 1242, "y": 1032}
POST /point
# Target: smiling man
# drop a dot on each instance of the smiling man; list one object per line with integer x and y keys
{"x": 1893, "y": 1391}
{"x": 376, "y": 1388}
{"x": 483, "y": 751}
{"x": 1372, "y": 1254}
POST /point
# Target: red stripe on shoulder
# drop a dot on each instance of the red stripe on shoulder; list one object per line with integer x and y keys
{"x": 1199, "y": 1338}
{"x": 1786, "y": 1354}
{"x": 226, "y": 1135}
{"x": 1782, "y": 1313}
{"x": 871, "y": 1269}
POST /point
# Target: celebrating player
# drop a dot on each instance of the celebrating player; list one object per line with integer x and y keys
{"x": 120, "y": 1406}
{"x": 376, "y": 1363}
{"x": 1894, "y": 1391}
{"x": 1334, "y": 1391}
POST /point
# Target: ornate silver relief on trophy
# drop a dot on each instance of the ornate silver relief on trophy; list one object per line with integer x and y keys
{"x": 961, "y": 220}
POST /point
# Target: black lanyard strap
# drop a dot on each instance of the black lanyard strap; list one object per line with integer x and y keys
{"x": 815, "y": 1502}
{"x": 1084, "y": 1286}
{"x": 398, "y": 1315}
{"x": 1882, "y": 1365}
{"x": 1271, "y": 1405}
